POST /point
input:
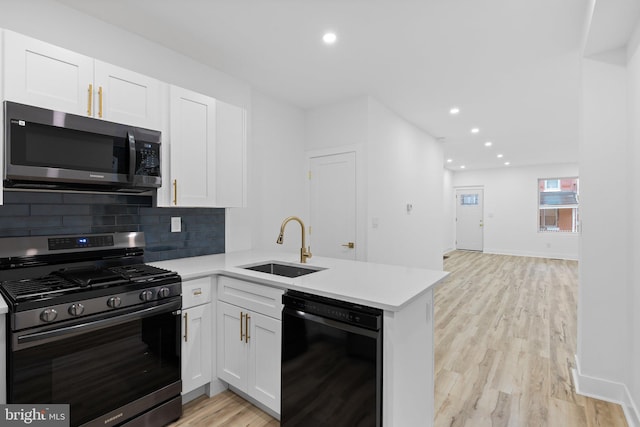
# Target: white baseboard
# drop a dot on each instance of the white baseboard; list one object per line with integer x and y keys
{"x": 570, "y": 257}
{"x": 609, "y": 391}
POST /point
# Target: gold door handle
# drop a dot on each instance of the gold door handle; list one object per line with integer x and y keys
{"x": 100, "y": 102}
{"x": 349, "y": 245}
{"x": 246, "y": 328}
{"x": 241, "y": 334}
{"x": 90, "y": 100}
{"x": 175, "y": 192}
{"x": 186, "y": 327}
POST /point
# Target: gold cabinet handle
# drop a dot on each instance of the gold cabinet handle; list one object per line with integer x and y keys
{"x": 100, "y": 102}
{"x": 186, "y": 327}
{"x": 175, "y": 192}
{"x": 90, "y": 99}
{"x": 241, "y": 334}
{"x": 246, "y": 328}
{"x": 197, "y": 291}
{"x": 349, "y": 245}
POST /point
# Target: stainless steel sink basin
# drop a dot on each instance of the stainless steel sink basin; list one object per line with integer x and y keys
{"x": 281, "y": 269}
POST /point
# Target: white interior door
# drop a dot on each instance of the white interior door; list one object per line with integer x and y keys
{"x": 469, "y": 219}
{"x": 333, "y": 205}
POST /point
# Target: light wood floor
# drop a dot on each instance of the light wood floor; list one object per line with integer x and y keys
{"x": 505, "y": 339}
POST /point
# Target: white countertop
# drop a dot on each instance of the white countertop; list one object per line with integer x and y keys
{"x": 388, "y": 287}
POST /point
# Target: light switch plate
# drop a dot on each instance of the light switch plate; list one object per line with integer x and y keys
{"x": 176, "y": 224}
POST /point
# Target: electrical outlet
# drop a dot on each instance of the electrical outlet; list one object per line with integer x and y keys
{"x": 176, "y": 224}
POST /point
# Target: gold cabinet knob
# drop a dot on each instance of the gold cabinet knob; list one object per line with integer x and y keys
{"x": 349, "y": 245}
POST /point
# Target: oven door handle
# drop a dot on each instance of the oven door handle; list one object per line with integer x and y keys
{"x": 38, "y": 338}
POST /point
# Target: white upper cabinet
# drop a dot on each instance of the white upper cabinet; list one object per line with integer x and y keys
{"x": 206, "y": 157}
{"x": 44, "y": 75}
{"x": 192, "y": 132}
{"x": 230, "y": 155}
{"x": 40, "y": 74}
{"x": 124, "y": 96}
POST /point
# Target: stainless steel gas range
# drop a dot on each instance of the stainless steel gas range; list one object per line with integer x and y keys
{"x": 91, "y": 326}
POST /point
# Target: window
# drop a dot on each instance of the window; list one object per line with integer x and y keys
{"x": 469, "y": 199}
{"x": 551, "y": 185}
{"x": 558, "y": 205}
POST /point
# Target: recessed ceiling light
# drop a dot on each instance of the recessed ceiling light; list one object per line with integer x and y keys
{"x": 462, "y": 167}
{"x": 449, "y": 160}
{"x": 475, "y": 130}
{"x": 500, "y": 156}
{"x": 488, "y": 144}
{"x": 507, "y": 163}
{"x": 454, "y": 110}
{"x": 329, "y": 38}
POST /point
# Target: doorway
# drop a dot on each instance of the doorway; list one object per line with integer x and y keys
{"x": 469, "y": 219}
{"x": 332, "y": 205}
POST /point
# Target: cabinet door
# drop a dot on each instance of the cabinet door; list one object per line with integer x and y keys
{"x": 47, "y": 76}
{"x": 124, "y": 96}
{"x": 230, "y": 155}
{"x": 264, "y": 360}
{"x": 192, "y": 146}
{"x": 231, "y": 346}
{"x": 196, "y": 347}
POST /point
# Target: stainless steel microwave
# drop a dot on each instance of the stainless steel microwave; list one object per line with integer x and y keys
{"x": 55, "y": 150}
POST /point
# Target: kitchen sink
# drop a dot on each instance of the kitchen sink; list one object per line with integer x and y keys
{"x": 280, "y": 269}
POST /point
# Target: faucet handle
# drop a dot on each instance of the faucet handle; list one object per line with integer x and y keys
{"x": 305, "y": 253}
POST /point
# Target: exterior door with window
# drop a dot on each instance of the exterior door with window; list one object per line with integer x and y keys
{"x": 469, "y": 219}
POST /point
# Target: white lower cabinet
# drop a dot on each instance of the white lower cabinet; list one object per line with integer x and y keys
{"x": 197, "y": 336}
{"x": 248, "y": 353}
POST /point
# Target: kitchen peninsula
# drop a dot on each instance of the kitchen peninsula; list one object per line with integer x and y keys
{"x": 404, "y": 294}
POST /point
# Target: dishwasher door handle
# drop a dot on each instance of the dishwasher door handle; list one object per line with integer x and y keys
{"x": 347, "y": 327}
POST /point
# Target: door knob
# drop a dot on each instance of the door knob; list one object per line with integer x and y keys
{"x": 349, "y": 245}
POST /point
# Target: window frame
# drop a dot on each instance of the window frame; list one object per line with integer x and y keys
{"x": 575, "y": 208}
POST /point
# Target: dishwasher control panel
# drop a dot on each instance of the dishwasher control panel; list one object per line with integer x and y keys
{"x": 342, "y": 311}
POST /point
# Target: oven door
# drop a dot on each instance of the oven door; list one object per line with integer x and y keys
{"x": 104, "y": 368}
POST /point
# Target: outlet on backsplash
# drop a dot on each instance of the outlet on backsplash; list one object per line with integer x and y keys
{"x": 176, "y": 224}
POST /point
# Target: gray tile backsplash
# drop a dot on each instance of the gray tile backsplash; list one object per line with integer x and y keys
{"x": 27, "y": 213}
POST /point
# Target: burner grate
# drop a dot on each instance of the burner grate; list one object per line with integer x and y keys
{"x": 26, "y": 289}
{"x": 140, "y": 271}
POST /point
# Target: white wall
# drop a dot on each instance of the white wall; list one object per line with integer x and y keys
{"x": 605, "y": 304}
{"x": 399, "y": 164}
{"x": 337, "y": 125}
{"x": 404, "y": 166}
{"x": 511, "y": 210}
{"x": 277, "y": 173}
{"x": 448, "y": 212}
{"x": 633, "y": 82}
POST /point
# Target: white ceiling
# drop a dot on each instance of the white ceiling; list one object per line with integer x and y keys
{"x": 512, "y": 66}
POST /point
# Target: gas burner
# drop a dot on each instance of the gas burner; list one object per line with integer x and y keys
{"x": 140, "y": 272}
{"x": 92, "y": 276}
{"x": 41, "y": 287}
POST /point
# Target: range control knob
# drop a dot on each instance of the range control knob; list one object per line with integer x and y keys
{"x": 76, "y": 309}
{"x": 146, "y": 295}
{"x": 49, "y": 315}
{"x": 114, "y": 302}
{"x": 164, "y": 292}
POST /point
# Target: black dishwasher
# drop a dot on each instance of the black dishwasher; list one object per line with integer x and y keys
{"x": 331, "y": 363}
